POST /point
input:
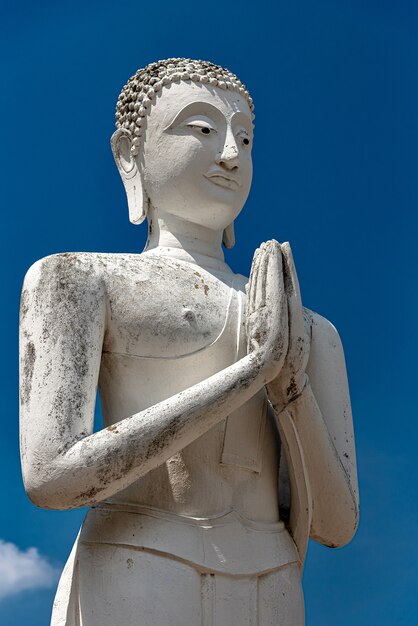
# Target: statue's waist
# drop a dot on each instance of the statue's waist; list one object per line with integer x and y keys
{"x": 227, "y": 543}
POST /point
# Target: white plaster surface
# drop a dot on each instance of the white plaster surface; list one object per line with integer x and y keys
{"x": 214, "y": 389}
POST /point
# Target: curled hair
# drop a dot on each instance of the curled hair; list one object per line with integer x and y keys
{"x": 136, "y": 97}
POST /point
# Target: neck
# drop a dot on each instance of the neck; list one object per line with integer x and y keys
{"x": 171, "y": 235}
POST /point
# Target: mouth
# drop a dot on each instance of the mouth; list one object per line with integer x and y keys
{"x": 224, "y": 181}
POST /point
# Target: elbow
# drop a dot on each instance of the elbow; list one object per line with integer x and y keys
{"x": 43, "y": 500}
{"x": 47, "y": 492}
{"x": 335, "y": 526}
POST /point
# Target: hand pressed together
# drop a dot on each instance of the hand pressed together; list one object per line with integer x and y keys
{"x": 278, "y": 328}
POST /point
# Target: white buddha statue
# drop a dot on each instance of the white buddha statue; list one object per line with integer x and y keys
{"x": 227, "y": 437}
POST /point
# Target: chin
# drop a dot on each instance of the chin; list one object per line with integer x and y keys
{"x": 215, "y": 215}
{"x": 214, "y": 209}
{"x": 212, "y": 220}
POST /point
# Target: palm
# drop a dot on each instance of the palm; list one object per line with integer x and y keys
{"x": 266, "y": 318}
{"x": 291, "y": 378}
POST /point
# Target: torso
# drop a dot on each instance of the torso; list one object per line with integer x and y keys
{"x": 171, "y": 324}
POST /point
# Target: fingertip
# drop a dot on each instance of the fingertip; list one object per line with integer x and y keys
{"x": 273, "y": 246}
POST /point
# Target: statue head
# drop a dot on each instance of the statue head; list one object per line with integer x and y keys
{"x": 183, "y": 143}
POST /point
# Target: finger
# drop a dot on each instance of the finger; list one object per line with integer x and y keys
{"x": 256, "y": 277}
{"x": 295, "y": 310}
{"x": 260, "y": 287}
{"x": 274, "y": 273}
{"x": 278, "y": 302}
{"x": 252, "y": 282}
{"x": 290, "y": 266}
{"x": 260, "y": 277}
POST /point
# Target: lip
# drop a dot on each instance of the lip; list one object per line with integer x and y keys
{"x": 222, "y": 180}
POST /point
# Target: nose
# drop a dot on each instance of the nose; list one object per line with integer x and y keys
{"x": 229, "y": 156}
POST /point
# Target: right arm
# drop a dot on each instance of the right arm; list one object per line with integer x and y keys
{"x": 63, "y": 320}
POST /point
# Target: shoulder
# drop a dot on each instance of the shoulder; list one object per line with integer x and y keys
{"x": 82, "y": 279}
{"x": 64, "y": 280}
{"x": 64, "y": 266}
{"x": 326, "y": 366}
{"x": 324, "y": 335}
{"x": 83, "y": 268}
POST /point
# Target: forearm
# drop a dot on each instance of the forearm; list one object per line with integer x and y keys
{"x": 99, "y": 465}
{"x": 334, "y": 505}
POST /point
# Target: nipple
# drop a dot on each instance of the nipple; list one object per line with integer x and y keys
{"x": 188, "y": 314}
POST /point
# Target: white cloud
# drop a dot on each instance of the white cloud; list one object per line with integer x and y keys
{"x": 23, "y": 569}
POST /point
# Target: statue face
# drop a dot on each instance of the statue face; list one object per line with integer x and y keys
{"x": 196, "y": 158}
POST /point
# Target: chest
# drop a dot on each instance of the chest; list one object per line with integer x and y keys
{"x": 168, "y": 310}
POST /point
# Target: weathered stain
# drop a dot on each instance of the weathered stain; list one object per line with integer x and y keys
{"x": 206, "y": 289}
{"x": 29, "y": 358}
{"x": 67, "y": 408}
{"x": 292, "y": 388}
{"x": 24, "y": 303}
{"x": 113, "y": 467}
{"x": 88, "y": 496}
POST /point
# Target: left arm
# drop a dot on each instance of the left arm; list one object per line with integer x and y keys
{"x": 311, "y": 401}
{"x": 319, "y": 420}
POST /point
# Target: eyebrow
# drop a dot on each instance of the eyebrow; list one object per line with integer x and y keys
{"x": 242, "y": 118}
{"x": 196, "y": 108}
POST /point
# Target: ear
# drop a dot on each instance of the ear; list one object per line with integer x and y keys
{"x": 228, "y": 238}
{"x": 121, "y": 142}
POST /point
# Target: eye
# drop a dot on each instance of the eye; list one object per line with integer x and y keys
{"x": 245, "y": 140}
{"x": 201, "y": 127}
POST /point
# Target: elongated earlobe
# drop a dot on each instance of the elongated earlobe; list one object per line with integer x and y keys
{"x": 121, "y": 142}
{"x": 137, "y": 202}
{"x": 228, "y": 238}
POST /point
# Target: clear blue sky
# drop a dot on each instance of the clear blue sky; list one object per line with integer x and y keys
{"x": 335, "y": 85}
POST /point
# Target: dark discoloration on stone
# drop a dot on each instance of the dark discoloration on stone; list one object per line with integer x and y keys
{"x": 112, "y": 469}
{"x": 164, "y": 439}
{"x": 29, "y": 358}
{"x": 88, "y": 497}
{"x": 292, "y": 389}
{"x": 24, "y": 303}
{"x": 67, "y": 407}
{"x": 279, "y": 347}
